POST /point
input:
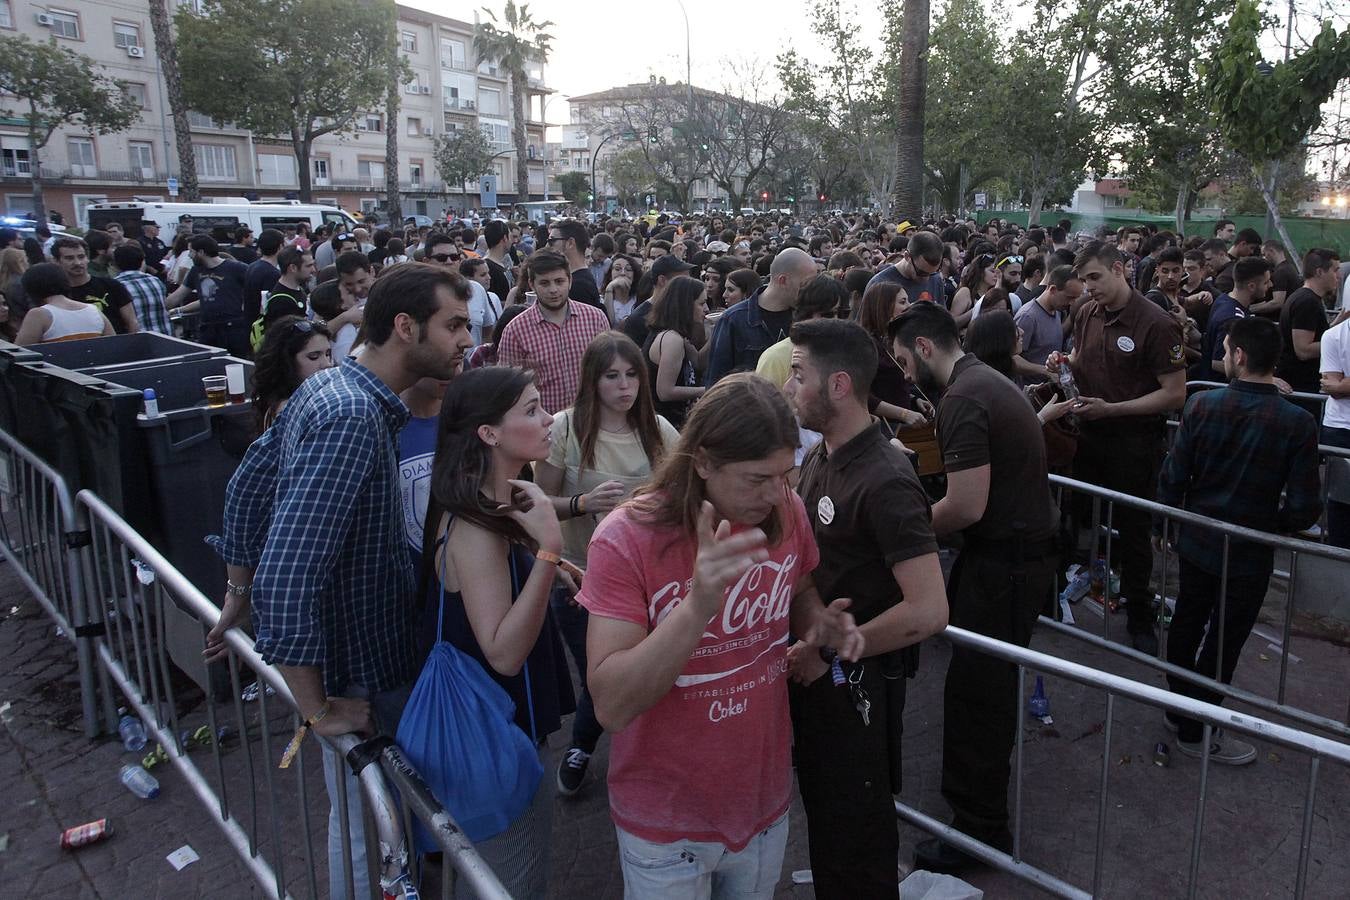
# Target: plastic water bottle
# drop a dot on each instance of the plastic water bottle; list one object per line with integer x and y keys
{"x": 151, "y": 403}
{"x": 140, "y": 782}
{"x": 1080, "y": 582}
{"x": 1066, "y": 382}
{"x": 132, "y": 732}
{"x": 1039, "y": 704}
{"x": 1097, "y": 588}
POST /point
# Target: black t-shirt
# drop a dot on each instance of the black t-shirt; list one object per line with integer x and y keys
{"x": 583, "y": 288}
{"x": 635, "y": 326}
{"x": 1302, "y": 310}
{"x": 260, "y": 276}
{"x": 285, "y": 301}
{"x": 779, "y": 323}
{"x": 378, "y": 256}
{"x": 868, "y": 512}
{"x": 108, "y": 294}
{"x": 1284, "y": 277}
{"x": 499, "y": 284}
{"x": 220, "y": 290}
{"x": 154, "y": 253}
{"x": 985, "y": 420}
{"x": 245, "y": 255}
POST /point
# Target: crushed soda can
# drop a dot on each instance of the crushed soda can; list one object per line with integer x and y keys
{"x": 88, "y": 833}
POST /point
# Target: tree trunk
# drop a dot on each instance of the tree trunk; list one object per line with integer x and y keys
{"x": 1273, "y": 211}
{"x": 1034, "y": 209}
{"x": 518, "y": 138}
{"x": 909, "y": 133}
{"x": 35, "y": 166}
{"x": 302, "y": 145}
{"x": 391, "y": 197}
{"x": 167, "y": 52}
{"x": 1182, "y": 207}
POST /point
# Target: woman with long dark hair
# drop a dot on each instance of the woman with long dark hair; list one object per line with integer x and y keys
{"x": 676, "y": 318}
{"x": 894, "y": 395}
{"x": 604, "y": 447}
{"x": 619, "y": 292}
{"x": 293, "y": 349}
{"x": 980, "y": 277}
{"x": 493, "y": 541}
{"x": 715, "y": 277}
{"x": 995, "y": 339}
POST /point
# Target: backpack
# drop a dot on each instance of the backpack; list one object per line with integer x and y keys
{"x": 259, "y": 329}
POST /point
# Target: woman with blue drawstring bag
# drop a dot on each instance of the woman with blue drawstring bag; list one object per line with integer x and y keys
{"x": 496, "y": 683}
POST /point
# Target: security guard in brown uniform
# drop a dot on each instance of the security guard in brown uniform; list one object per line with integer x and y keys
{"x": 998, "y": 499}
{"x": 870, "y": 519}
{"x": 1129, "y": 364}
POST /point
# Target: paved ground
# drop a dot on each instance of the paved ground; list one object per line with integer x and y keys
{"x": 52, "y": 778}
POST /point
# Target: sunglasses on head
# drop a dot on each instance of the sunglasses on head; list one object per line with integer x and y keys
{"x": 346, "y": 236}
{"x": 304, "y": 326}
{"x": 1015, "y": 260}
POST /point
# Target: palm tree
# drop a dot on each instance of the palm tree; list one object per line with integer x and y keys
{"x": 909, "y": 133}
{"x": 167, "y": 51}
{"x": 522, "y": 39}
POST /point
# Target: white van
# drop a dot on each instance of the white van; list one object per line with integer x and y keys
{"x": 219, "y": 219}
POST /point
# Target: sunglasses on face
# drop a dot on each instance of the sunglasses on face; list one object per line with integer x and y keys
{"x": 444, "y": 257}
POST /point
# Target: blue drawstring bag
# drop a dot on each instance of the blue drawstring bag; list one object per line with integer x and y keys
{"x": 459, "y": 732}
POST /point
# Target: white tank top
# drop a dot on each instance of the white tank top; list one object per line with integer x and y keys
{"x": 73, "y": 324}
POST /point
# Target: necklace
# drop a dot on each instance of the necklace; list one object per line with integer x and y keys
{"x": 627, "y": 429}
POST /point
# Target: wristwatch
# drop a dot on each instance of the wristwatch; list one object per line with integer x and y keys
{"x": 241, "y": 591}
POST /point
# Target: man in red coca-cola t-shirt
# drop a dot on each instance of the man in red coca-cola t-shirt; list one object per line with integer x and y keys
{"x": 692, "y": 588}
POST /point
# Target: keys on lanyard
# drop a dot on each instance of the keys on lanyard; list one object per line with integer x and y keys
{"x": 859, "y": 694}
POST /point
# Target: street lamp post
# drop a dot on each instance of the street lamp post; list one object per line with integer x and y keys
{"x": 594, "y": 156}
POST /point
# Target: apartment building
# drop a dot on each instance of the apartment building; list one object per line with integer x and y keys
{"x": 451, "y": 89}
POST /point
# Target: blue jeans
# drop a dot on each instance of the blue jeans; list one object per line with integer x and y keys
{"x": 693, "y": 870}
{"x": 387, "y": 709}
{"x": 572, "y": 621}
{"x": 1338, "y": 514}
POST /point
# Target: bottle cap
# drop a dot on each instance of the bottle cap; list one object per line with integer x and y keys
{"x": 148, "y": 394}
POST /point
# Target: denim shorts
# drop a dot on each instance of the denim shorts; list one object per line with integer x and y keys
{"x": 693, "y": 870}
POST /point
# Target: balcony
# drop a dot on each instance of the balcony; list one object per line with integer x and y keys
{"x": 56, "y": 175}
{"x": 461, "y": 104}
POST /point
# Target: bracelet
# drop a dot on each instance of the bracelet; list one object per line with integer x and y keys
{"x": 549, "y": 557}
{"x": 238, "y": 590}
{"x": 294, "y": 746}
{"x": 572, "y": 506}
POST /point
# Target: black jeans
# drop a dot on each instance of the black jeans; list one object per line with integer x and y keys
{"x": 230, "y": 336}
{"x": 1338, "y": 514}
{"x": 572, "y": 621}
{"x": 993, "y": 597}
{"x": 846, "y": 774}
{"x": 1126, "y": 460}
{"x": 1193, "y": 639}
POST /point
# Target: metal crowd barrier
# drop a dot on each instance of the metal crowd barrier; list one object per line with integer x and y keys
{"x": 41, "y": 530}
{"x": 1318, "y": 748}
{"x": 136, "y": 583}
{"x": 1168, "y": 517}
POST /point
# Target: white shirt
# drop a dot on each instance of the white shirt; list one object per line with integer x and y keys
{"x": 1336, "y": 358}
{"x": 484, "y": 308}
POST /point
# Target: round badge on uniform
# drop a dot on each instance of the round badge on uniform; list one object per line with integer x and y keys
{"x": 1125, "y": 343}
{"x": 825, "y": 510}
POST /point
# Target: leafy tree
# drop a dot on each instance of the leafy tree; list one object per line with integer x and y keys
{"x": 673, "y": 162}
{"x": 1265, "y": 111}
{"x": 522, "y": 40}
{"x": 629, "y": 175}
{"x": 299, "y": 68}
{"x": 740, "y": 134}
{"x": 49, "y": 86}
{"x": 909, "y": 161}
{"x": 849, "y": 93}
{"x": 462, "y": 156}
{"x": 166, "y": 49}
{"x": 575, "y": 186}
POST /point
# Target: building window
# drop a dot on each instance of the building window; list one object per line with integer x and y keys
{"x": 81, "y": 153}
{"x": 276, "y": 168}
{"x": 142, "y": 155}
{"x": 138, "y": 93}
{"x": 64, "y": 24}
{"x": 409, "y": 41}
{"x": 370, "y": 170}
{"x": 498, "y": 134}
{"x": 215, "y": 162}
{"x": 320, "y": 166}
{"x": 201, "y": 120}
{"x": 6, "y": 15}
{"x": 126, "y": 35}
{"x": 490, "y": 101}
{"x": 452, "y": 54}
{"x": 14, "y": 158}
{"x": 415, "y": 174}
{"x": 414, "y": 127}
{"x": 370, "y": 122}
{"x": 415, "y": 85}
{"x": 369, "y": 205}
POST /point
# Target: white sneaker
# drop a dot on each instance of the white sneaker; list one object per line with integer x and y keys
{"x": 1224, "y": 750}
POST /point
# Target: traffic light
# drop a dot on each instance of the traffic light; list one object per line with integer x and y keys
{"x": 651, "y": 135}
{"x": 764, "y": 195}
{"x": 821, "y": 198}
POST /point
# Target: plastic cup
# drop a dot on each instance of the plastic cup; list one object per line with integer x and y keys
{"x": 217, "y": 390}
{"x": 234, "y": 377}
{"x": 531, "y": 298}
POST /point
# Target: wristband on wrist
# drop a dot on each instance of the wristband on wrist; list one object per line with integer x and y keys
{"x": 294, "y": 746}
{"x": 549, "y": 557}
{"x": 238, "y": 590}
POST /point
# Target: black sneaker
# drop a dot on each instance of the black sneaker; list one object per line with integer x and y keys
{"x": 572, "y": 770}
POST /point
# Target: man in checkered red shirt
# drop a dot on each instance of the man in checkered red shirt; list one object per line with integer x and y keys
{"x": 550, "y": 336}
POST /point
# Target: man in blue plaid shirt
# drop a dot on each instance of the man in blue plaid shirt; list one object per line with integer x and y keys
{"x": 1238, "y": 450}
{"x": 147, "y": 291}
{"x": 333, "y": 593}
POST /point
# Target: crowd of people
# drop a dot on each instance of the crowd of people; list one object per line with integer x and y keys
{"x": 668, "y": 449}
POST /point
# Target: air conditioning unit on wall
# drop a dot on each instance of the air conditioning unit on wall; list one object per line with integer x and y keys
{"x": 136, "y": 52}
{"x": 44, "y": 20}
{"x": 428, "y": 131}
{"x": 424, "y": 89}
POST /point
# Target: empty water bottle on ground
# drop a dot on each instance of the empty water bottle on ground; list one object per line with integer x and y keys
{"x": 1097, "y": 586}
{"x": 1079, "y": 582}
{"x": 132, "y": 732}
{"x": 140, "y": 782}
{"x": 1039, "y": 704}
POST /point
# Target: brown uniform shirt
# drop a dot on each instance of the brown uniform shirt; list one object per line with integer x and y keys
{"x": 984, "y": 420}
{"x": 1121, "y": 355}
